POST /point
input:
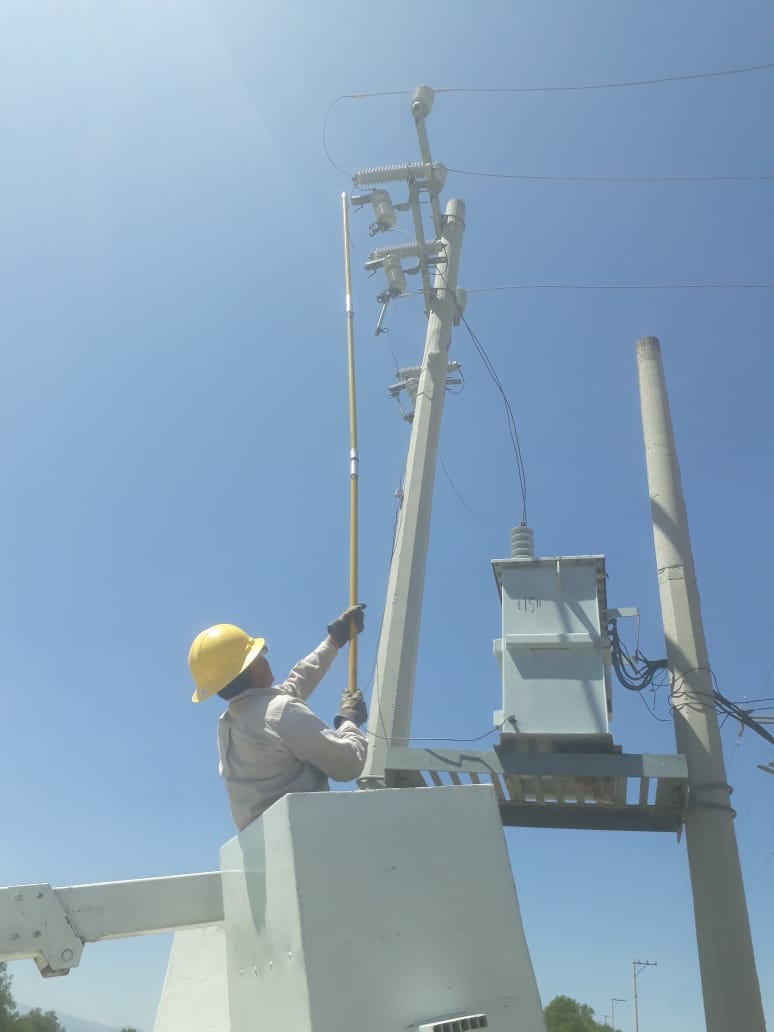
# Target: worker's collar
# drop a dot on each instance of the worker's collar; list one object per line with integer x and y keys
{"x": 235, "y": 690}
{"x": 237, "y": 687}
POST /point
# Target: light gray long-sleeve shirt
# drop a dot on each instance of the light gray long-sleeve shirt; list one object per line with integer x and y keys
{"x": 270, "y": 743}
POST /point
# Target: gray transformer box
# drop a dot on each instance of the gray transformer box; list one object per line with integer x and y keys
{"x": 554, "y": 653}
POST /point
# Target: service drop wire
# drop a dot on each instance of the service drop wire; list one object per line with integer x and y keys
{"x": 353, "y": 456}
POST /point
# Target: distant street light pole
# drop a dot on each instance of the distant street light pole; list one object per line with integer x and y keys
{"x": 637, "y": 966}
{"x": 613, "y": 1001}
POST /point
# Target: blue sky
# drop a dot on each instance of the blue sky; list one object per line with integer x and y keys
{"x": 174, "y": 418}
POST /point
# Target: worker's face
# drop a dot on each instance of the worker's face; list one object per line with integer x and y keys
{"x": 263, "y": 677}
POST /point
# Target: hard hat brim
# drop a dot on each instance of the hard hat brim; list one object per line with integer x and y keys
{"x": 259, "y": 644}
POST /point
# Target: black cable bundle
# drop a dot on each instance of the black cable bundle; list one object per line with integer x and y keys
{"x": 633, "y": 672}
{"x": 636, "y": 672}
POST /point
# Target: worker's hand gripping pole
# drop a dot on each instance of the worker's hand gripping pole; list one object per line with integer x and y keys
{"x": 353, "y": 457}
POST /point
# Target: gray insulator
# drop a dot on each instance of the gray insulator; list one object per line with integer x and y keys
{"x": 407, "y": 371}
{"x": 407, "y": 250}
{"x": 386, "y": 216}
{"x": 402, "y": 173}
{"x": 396, "y": 278}
{"x": 522, "y": 542}
{"x": 422, "y": 102}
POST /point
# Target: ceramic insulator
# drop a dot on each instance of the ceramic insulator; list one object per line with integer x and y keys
{"x": 522, "y": 542}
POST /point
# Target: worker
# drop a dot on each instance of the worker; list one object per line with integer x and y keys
{"x": 269, "y": 741}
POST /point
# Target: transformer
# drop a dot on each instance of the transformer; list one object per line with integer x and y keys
{"x": 554, "y": 654}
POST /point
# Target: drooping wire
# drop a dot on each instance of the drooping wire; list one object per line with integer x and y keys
{"x": 607, "y": 286}
{"x": 751, "y": 804}
{"x": 769, "y": 672}
{"x": 634, "y": 672}
{"x": 760, "y": 871}
{"x": 610, "y": 179}
{"x": 478, "y": 738}
{"x": 472, "y": 511}
{"x": 622, "y": 84}
{"x": 510, "y": 418}
{"x": 533, "y": 89}
{"x": 608, "y": 85}
{"x": 652, "y": 711}
{"x": 327, "y": 153}
{"x": 733, "y": 709}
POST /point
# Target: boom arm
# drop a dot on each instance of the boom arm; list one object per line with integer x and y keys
{"x": 52, "y": 925}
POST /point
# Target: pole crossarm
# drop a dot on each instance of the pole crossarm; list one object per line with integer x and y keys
{"x": 52, "y": 925}
{"x": 602, "y": 791}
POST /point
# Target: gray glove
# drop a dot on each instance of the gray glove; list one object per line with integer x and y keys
{"x": 339, "y": 628}
{"x": 352, "y": 707}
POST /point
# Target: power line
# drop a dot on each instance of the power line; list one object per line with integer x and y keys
{"x": 740, "y": 825}
{"x": 609, "y": 286}
{"x": 608, "y": 85}
{"x": 610, "y": 179}
{"x": 623, "y": 84}
{"x": 510, "y": 418}
{"x": 765, "y": 682}
{"x": 472, "y": 511}
{"x": 493, "y": 730}
{"x": 766, "y": 863}
{"x": 532, "y": 89}
{"x": 635, "y": 672}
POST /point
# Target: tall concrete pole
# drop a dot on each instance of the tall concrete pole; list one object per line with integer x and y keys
{"x": 396, "y": 656}
{"x": 732, "y": 998}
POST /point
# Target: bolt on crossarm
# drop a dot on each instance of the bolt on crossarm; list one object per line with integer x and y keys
{"x": 396, "y": 657}
{"x": 732, "y": 997}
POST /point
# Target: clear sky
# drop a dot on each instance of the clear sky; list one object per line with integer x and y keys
{"x": 174, "y": 421}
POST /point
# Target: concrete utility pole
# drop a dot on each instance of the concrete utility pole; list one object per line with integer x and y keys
{"x": 396, "y": 658}
{"x": 732, "y": 998}
{"x": 641, "y": 964}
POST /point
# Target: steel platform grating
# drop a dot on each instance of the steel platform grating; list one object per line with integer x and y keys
{"x": 595, "y": 791}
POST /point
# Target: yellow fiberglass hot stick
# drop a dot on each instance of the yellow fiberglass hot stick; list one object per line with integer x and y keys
{"x": 353, "y": 457}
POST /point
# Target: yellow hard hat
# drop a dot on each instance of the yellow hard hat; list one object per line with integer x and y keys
{"x": 218, "y": 655}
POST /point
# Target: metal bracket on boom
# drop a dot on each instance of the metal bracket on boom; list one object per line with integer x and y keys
{"x": 38, "y": 927}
